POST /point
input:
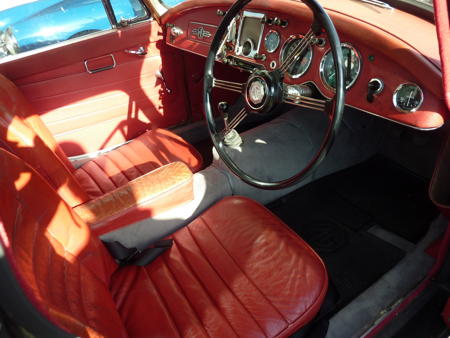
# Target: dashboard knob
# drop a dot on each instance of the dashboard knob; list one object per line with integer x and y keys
{"x": 374, "y": 87}
{"x": 176, "y": 31}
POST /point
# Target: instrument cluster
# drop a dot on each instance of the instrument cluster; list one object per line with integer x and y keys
{"x": 257, "y": 38}
{"x": 384, "y": 76}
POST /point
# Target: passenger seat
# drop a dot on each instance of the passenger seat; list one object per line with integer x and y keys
{"x": 24, "y": 134}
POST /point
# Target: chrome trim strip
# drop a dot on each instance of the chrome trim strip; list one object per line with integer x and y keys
{"x": 78, "y": 160}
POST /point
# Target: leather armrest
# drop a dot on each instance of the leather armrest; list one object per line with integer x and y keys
{"x": 145, "y": 196}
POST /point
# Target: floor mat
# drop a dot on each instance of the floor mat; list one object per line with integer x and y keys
{"x": 394, "y": 198}
{"x": 333, "y": 214}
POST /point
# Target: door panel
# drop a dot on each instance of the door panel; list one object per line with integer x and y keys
{"x": 87, "y": 112}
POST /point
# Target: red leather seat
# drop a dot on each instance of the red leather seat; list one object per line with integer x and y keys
{"x": 146, "y": 153}
{"x": 237, "y": 270}
{"x": 24, "y": 134}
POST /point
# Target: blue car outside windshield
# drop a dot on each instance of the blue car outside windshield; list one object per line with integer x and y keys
{"x": 46, "y": 22}
{"x": 35, "y": 24}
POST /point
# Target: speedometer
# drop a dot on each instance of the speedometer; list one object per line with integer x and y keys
{"x": 352, "y": 67}
{"x": 304, "y": 61}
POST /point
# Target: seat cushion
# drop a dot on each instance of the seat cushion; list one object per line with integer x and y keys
{"x": 237, "y": 270}
{"x": 149, "y": 151}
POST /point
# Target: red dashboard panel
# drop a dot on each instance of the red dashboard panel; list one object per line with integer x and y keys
{"x": 387, "y": 55}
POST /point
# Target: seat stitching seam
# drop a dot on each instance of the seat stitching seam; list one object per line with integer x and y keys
{"x": 106, "y": 175}
{"x": 16, "y": 221}
{"x": 183, "y": 293}
{"x": 225, "y": 283}
{"x": 33, "y": 260}
{"x": 243, "y": 272}
{"x": 163, "y": 301}
{"x": 123, "y": 172}
{"x": 83, "y": 308}
{"x": 93, "y": 180}
{"x": 115, "y": 164}
{"x": 36, "y": 221}
{"x": 213, "y": 301}
{"x": 124, "y": 154}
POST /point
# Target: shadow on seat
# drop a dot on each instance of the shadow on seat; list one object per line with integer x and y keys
{"x": 236, "y": 270}
{"x": 24, "y": 134}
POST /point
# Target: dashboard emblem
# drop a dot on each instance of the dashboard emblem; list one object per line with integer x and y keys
{"x": 201, "y": 33}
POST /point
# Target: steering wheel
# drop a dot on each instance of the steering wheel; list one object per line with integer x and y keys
{"x": 264, "y": 90}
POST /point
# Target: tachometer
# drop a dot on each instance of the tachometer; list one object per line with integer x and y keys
{"x": 302, "y": 64}
{"x": 408, "y": 97}
{"x": 272, "y": 41}
{"x": 352, "y": 65}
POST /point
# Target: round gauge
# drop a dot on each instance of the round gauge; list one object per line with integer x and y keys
{"x": 272, "y": 41}
{"x": 408, "y": 97}
{"x": 302, "y": 64}
{"x": 352, "y": 67}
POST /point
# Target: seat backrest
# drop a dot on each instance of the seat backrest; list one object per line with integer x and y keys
{"x": 63, "y": 269}
{"x": 25, "y": 135}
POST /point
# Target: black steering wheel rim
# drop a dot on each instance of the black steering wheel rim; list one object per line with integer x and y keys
{"x": 322, "y": 22}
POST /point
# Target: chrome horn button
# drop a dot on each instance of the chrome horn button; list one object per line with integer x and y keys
{"x": 257, "y": 92}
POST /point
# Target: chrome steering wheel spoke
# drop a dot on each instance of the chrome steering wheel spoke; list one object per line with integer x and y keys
{"x": 229, "y": 85}
{"x": 235, "y": 121}
{"x": 308, "y": 40}
{"x": 264, "y": 90}
{"x": 306, "y": 102}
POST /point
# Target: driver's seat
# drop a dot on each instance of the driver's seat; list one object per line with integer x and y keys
{"x": 236, "y": 270}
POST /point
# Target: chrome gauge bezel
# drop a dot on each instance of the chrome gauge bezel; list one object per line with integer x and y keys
{"x": 288, "y": 40}
{"x": 322, "y": 65}
{"x": 397, "y": 90}
{"x": 256, "y": 44}
{"x": 267, "y": 36}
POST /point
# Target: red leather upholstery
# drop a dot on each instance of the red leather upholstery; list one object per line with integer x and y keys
{"x": 149, "y": 151}
{"x": 30, "y": 140}
{"x": 236, "y": 270}
{"x": 24, "y": 134}
{"x": 64, "y": 270}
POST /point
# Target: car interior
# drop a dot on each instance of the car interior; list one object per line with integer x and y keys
{"x": 229, "y": 168}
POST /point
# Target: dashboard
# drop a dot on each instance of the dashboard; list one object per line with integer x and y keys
{"x": 384, "y": 74}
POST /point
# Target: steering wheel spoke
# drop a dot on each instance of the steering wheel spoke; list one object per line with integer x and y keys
{"x": 229, "y": 85}
{"x": 265, "y": 90}
{"x": 235, "y": 121}
{"x": 308, "y": 40}
{"x": 306, "y": 102}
